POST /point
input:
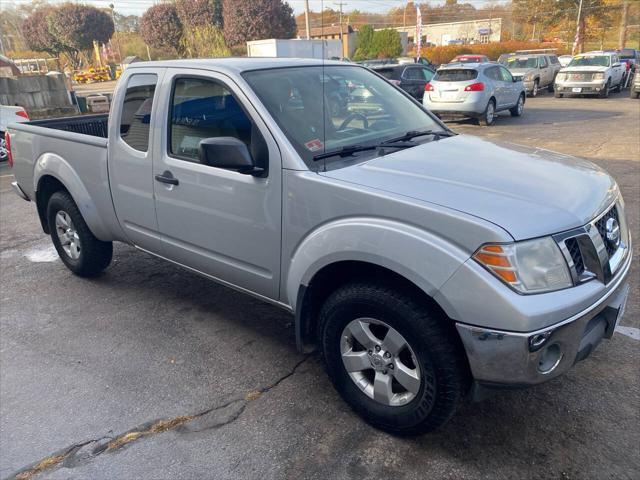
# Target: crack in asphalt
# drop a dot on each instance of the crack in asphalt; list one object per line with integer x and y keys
{"x": 78, "y": 454}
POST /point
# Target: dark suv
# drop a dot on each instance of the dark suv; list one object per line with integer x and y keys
{"x": 411, "y": 77}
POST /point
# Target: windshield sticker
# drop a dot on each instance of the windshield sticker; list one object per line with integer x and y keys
{"x": 314, "y": 145}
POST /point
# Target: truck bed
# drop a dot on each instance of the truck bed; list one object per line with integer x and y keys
{"x": 94, "y": 125}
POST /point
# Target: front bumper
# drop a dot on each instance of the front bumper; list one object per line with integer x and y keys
{"x": 585, "y": 88}
{"x": 504, "y": 358}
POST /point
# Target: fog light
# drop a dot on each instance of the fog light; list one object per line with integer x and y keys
{"x": 549, "y": 358}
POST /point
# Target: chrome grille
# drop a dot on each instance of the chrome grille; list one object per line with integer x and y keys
{"x": 576, "y": 255}
{"x": 601, "y": 225}
{"x": 590, "y": 252}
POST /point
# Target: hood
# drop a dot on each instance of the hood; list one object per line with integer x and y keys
{"x": 527, "y": 191}
{"x": 583, "y": 69}
{"x": 521, "y": 71}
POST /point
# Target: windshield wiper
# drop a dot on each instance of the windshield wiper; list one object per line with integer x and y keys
{"x": 351, "y": 149}
{"x": 418, "y": 133}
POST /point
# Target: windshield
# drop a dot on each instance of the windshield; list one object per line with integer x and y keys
{"x": 522, "y": 62}
{"x": 358, "y": 108}
{"x": 590, "y": 61}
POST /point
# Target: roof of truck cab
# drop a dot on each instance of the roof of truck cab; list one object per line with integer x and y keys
{"x": 237, "y": 64}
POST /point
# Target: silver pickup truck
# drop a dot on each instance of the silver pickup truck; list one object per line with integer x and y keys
{"x": 427, "y": 267}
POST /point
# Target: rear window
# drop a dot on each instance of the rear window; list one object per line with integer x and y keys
{"x": 627, "y": 54}
{"x": 455, "y": 75}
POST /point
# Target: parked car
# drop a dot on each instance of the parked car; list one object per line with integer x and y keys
{"x": 565, "y": 59}
{"x": 592, "y": 73}
{"x": 470, "y": 59}
{"x": 411, "y": 77}
{"x": 634, "y": 88}
{"x": 628, "y": 56}
{"x": 9, "y": 114}
{"x": 426, "y": 266}
{"x": 537, "y": 71}
{"x": 474, "y": 90}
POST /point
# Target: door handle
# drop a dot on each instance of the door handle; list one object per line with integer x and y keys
{"x": 167, "y": 177}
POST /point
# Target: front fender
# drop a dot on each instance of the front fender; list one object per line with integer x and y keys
{"x": 54, "y": 165}
{"x": 416, "y": 254}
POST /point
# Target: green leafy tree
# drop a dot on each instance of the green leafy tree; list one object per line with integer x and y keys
{"x": 365, "y": 43}
{"x": 204, "y": 41}
{"x": 257, "y": 19}
{"x": 386, "y": 43}
{"x": 161, "y": 28}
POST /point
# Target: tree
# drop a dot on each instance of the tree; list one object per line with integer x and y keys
{"x": 126, "y": 23}
{"x": 160, "y": 27}
{"x": 204, "y": 41}
{"x": 76, "y": 27}
{"x": 257, "y": 19}
{"x": 37, "y": 34}
{"x": 199, "y": 13}
{"x": 386, "y": 43}
{"x": 365, "y": 43}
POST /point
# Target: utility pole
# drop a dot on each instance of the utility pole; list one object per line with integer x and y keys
{"x": 622, "y": 39}
{"x": 340, "y": 4}
{"x": 579, "y": 32}
{"x": 306, "y": 18}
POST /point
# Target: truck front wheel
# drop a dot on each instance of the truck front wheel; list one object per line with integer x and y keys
{"x": 392, "y": 358}
{"x": 77, "y": 247}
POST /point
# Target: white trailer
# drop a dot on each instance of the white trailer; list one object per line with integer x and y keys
{"x": 294, "y": 48}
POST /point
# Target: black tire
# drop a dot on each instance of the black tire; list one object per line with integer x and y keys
{"x": 550, "y": 88}
{"x": 536, "y": 87}
{"x": 618, "y": 88}
{"x": 3, "y": 152}
{"x": 605, "y": 91}
{"x": 485, "y": 119}
{"x": 94, "y": 255}
{"x": 633, "y": 94}
{"x": 517, "y": 111}
{"x": 439, "y": 355}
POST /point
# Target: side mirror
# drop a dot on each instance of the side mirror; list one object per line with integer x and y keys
{"x": 229, "y": 153}
{"x": 617, "y": 64}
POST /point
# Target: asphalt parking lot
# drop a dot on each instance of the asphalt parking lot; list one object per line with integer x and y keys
{"x": 153, "y": 372}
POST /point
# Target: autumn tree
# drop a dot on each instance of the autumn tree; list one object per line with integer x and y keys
{"x": 37, "y": 34}
{"x": 76, "y": 27}
{"x": 257, "y": 19}
{"x": 160, "y": 27}
{"x": 199, "y": 13}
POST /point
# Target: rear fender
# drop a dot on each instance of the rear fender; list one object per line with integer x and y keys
{"x": 50, "y": 164}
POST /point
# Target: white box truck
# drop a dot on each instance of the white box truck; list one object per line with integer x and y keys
{"x": 294, "y": 48}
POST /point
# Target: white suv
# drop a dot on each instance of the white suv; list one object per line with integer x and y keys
{"x": 591, "y": 73}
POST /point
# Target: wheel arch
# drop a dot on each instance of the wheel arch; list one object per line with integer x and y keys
{"x": 334, "y": 275}
{"x": 51, "y": 174}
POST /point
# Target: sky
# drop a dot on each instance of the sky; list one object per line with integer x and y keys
{"x": 137, "y": 7}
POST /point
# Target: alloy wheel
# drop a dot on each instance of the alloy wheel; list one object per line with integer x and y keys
{"x": 380, "y": 361}
{"x": 68, "y": 235}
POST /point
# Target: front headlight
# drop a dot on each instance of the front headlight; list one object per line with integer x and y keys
{"x": 598, "y": 76}
{"x": 532, "y": 266}
{"x": 528, "y": 77}
{"x": 561, "y": 77}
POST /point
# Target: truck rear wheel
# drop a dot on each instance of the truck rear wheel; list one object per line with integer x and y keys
{"x": 77, "y": 247}
{"x": 392, "y": 358}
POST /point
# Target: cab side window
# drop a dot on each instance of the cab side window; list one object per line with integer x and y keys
{"x": 412, "y": 73}
{"x": 135, "y": 119}
{"x": 543, "y": 62}
{"x": 203, "y": 108}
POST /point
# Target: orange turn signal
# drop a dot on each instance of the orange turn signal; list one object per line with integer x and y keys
{"x": 496, "y": 259}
